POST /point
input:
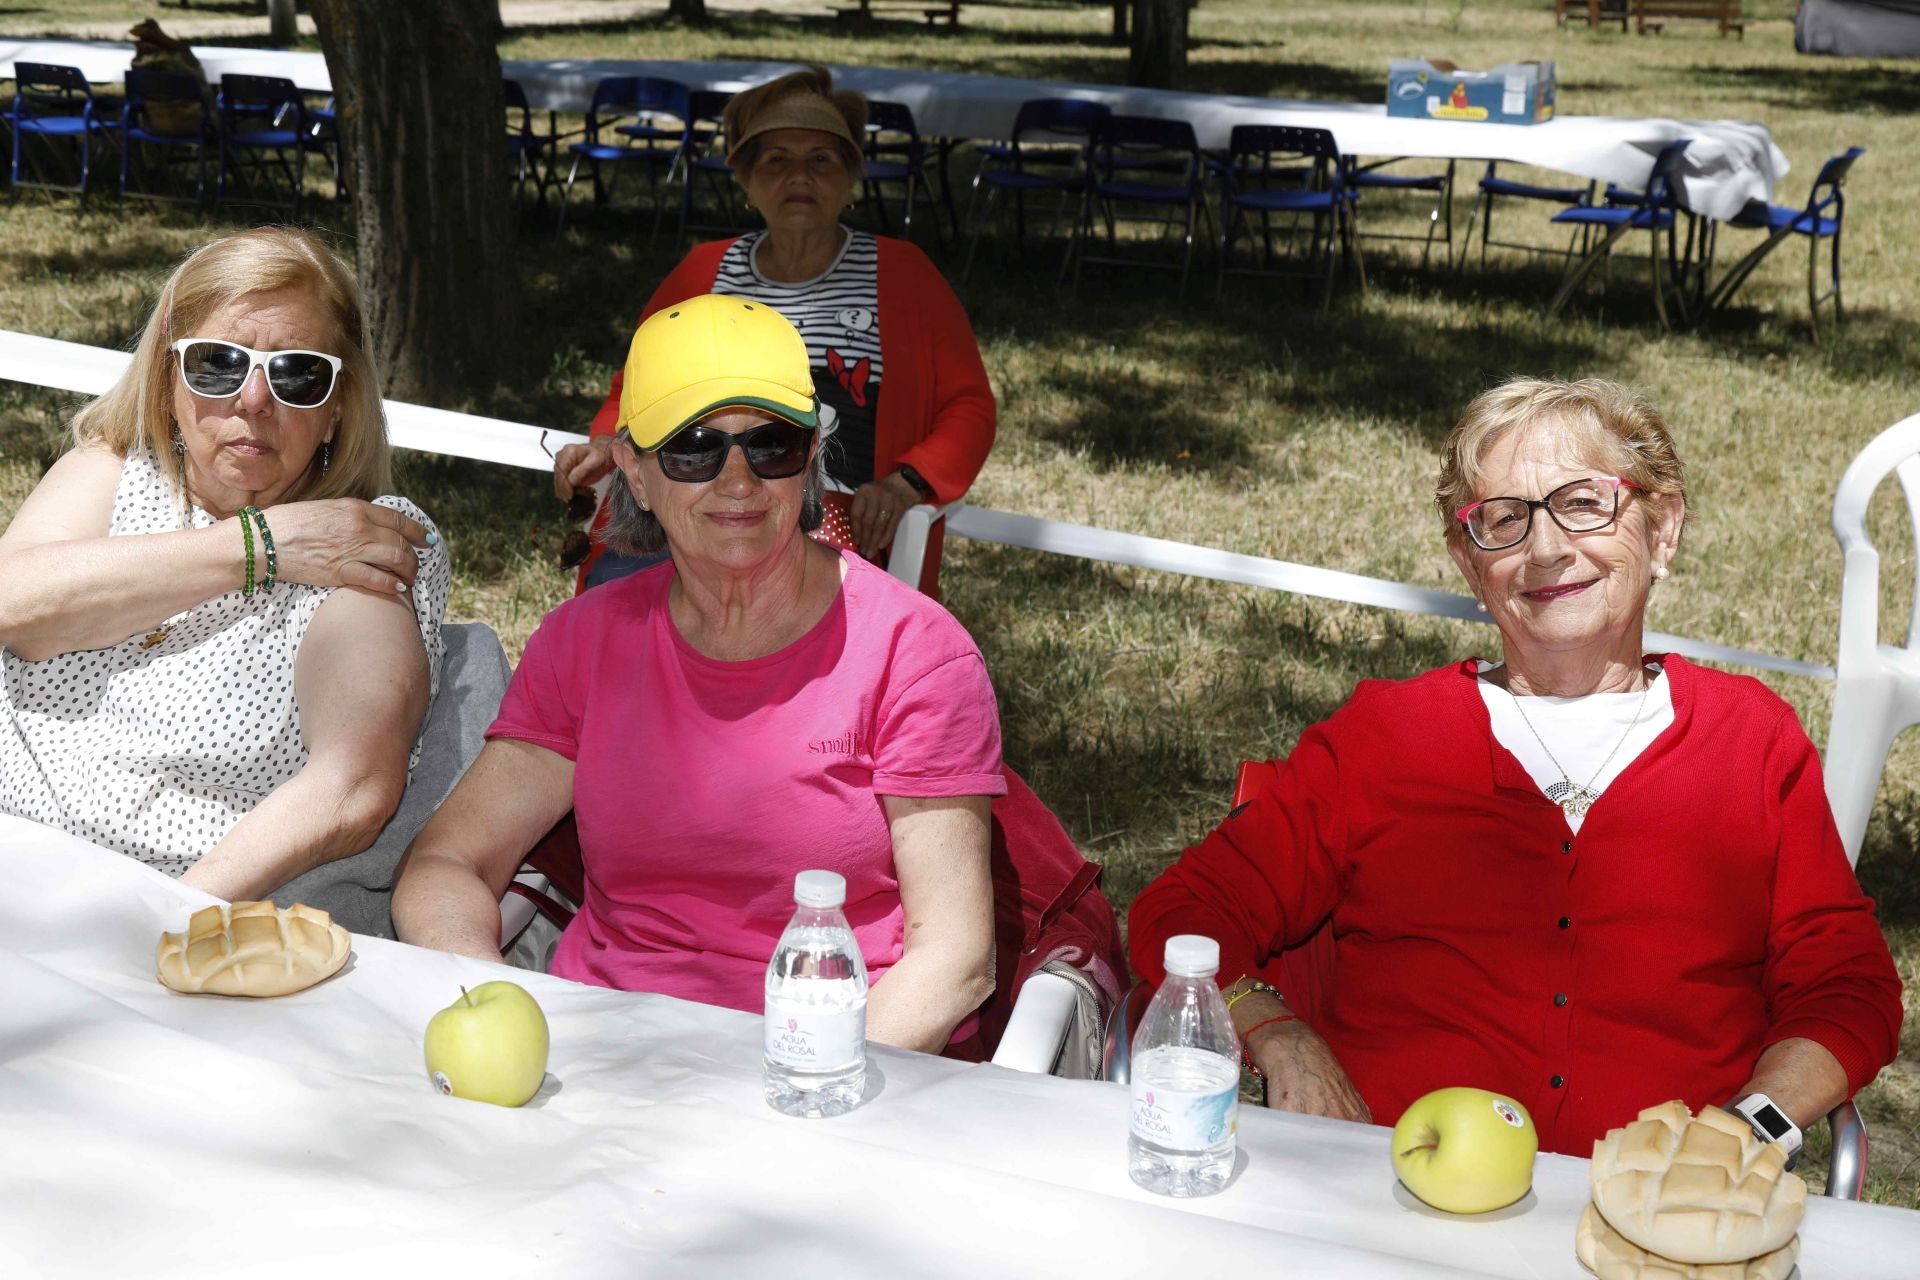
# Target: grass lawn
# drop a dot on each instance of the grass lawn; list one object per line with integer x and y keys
{"x": 1248, "y": 421}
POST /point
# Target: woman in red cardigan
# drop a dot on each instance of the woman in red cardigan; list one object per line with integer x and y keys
{"x": 1583, "y": 877}
{"x": 893, "y": 355}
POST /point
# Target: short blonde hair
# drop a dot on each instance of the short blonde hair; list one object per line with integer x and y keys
{"x": 138, "y": 409}
{"x": 749, "y": 109}
{"x": 1614, "y": 426}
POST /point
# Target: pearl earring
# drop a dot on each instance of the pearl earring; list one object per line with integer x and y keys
{"x": 645, "y": 507}
{"x": 1660, "y": 574}
{"x": 1481, "y": 605}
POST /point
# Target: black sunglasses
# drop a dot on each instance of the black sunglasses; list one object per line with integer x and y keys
{"x": 774, "y": 451}
{"x": 217, "y": 369}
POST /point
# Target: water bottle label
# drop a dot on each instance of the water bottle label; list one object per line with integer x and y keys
{"x": 1184, "y": 1119}
{"x": 808, "y": 1040}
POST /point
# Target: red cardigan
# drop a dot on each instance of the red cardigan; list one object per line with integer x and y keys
{"x": 1705, "y": 911}
{"x": 937, "y": 411}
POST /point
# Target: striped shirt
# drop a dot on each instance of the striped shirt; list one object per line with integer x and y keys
{"x": 838, "y": 314}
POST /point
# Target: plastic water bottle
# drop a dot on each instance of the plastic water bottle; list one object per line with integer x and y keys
{"x": 1186, "y": 1078}
{"x": 816, "y": 1028}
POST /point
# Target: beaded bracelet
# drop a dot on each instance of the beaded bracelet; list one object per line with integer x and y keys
{"x": 266, "y": 547}
{"x": 246, "y": 534}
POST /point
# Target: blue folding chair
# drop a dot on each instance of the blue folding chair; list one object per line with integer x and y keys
{"x": 1298, "y": 175}
{"x": 1140, "y": 161}
{"x": 706, "y": 164}
{"x": 55, "y": 104}
{"x": 895, "y": 155}
{"x": 1493, "y": 187}
{"x": 166, "y": 116}
{"x": 1656, "y": 211}
{"x": 1371, "y": 177}
{"x": 1821, "y": 219}
{"x": 323, "y": 134}
{"x": 526, "y": 149}
{"x": 1047, "y": 153}
{"x": 264, "y": 125}
{"x": 626, "y": 126}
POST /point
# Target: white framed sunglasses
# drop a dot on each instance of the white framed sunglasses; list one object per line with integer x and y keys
{"x": 217, "y": 369}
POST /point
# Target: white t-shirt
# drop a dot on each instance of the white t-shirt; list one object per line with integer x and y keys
{"x": 1594, "y": 738}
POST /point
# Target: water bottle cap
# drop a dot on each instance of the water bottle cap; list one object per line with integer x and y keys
{"x": 819, "y": 889}
{"x": 1191, "y": 955}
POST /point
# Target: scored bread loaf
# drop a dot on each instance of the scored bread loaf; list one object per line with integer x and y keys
{"x": 252, "y": 949}
{"x": 1611, "y": 1256}
{"x": 1699, "y": 1189}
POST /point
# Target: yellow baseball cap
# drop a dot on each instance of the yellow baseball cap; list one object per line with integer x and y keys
{"x": 711, "y": 353}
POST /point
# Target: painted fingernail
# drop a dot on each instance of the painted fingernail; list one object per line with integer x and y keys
{"x": 433, "y": 538}
{"x": 401, "y": 587}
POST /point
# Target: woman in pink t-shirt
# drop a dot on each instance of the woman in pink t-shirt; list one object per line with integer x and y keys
{"x": 758, "y": 705}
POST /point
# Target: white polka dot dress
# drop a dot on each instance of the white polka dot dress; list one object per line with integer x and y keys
{"x": 158, "y": 745}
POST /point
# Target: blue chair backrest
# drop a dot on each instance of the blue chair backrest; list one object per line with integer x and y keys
{"x": 891, "y": 117}
{"x": 1833, "y": 176}
{"x": 146, "y": 85}
{"x": 1663, "y": 192}
{"x": 515, "y": 95}
{"x": 272, "y": 98}
{"x": 1070, "y": 116}
{"x": 1146, "y": 134}
{"x": 1252, "y": 149}
{"x": 49, "y": 89}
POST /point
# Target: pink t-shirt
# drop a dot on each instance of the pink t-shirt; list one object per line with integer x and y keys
{"x": 702, "y": 787}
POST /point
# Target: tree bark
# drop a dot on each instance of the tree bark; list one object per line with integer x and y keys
{"x": 1159, "y": 59}
{"x": 1120, "y": 19}
{"x": 282, "y": 26}
{"x": 417, "y": 88}
{"x": 688, "y": 10}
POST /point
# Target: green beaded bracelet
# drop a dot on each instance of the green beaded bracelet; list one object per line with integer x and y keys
{"x": 246, "y": 534}
{"x": 266, "y": 547}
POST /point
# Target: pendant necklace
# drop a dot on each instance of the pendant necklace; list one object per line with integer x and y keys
{"x": 1568, "y": 794}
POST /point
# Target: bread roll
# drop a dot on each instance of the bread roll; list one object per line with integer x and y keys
{"x": 1611, "y": 1256}
{"x": 1700, "y": 1190}
{"x": 253, "y": 949}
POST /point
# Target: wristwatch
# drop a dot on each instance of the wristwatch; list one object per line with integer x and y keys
{"x": 915, "y": 479}
{"x": 1770, "y": 1123}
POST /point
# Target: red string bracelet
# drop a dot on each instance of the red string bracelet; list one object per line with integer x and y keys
{"x": 1246, "y": 1057}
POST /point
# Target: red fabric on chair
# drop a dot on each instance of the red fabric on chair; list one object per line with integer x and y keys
{"x": 1303, "y": 975}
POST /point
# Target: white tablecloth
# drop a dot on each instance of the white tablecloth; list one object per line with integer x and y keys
{"x": 1729, "y": 163}
{"x": 144, "y": 1133}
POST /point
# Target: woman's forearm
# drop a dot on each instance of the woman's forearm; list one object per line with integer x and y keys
{"x": 443, "y": 903}
{"x": 316, "y": 816}
{"x": 922, "y": 999}
{"x": 60, "y": 597}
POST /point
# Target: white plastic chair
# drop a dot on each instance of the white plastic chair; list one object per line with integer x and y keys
{"x": 1877, "y": 690}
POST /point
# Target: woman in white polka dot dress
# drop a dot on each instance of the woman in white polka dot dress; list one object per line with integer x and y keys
{"x": 182, "y": 677}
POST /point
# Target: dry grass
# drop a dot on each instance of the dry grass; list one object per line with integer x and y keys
{"x": 1246, "y": 422}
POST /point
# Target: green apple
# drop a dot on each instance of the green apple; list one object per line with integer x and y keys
{"x": 490, "y": 1045}
{"x": 1465, "y": 1150}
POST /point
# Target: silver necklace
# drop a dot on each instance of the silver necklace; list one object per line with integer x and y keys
{"x": 1568, "y": 794}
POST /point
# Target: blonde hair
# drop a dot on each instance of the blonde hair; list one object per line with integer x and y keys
{"x": 1611, "y": 424}
{"x": 748, "y": 109}
{"x": 138, "y": 409}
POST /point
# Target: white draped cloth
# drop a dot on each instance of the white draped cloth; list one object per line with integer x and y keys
{"x": 151, "y": 1134}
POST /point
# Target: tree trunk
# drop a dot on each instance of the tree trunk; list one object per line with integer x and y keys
{"x": 1120, "y": 19}
{"x": 1159, "y": 58}
{"x": 417, "y": 88}
{"x": 282, "y": 27}
{"x": 688, "y": 10}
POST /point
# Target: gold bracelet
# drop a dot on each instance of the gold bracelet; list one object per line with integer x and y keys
{"x": 1253, "y": 985}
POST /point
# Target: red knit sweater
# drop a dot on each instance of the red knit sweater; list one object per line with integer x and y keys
{"x": 1705, "y": 911}
{"x": 937, "y": 412}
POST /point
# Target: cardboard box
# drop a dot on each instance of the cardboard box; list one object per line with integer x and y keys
{"x": 1511, "y": 93}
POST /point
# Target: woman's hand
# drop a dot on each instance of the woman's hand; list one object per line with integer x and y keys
{"x": 876, "y": 511}
{"x": 1302, "y": 1073}
{"x": 344, "y": 542}
{"x": 580, "y": 466}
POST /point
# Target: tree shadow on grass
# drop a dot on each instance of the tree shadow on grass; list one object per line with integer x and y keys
{"x": 1850, "y": 89}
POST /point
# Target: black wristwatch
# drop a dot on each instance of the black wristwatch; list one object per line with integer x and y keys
{"x": 918, "y": 482}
